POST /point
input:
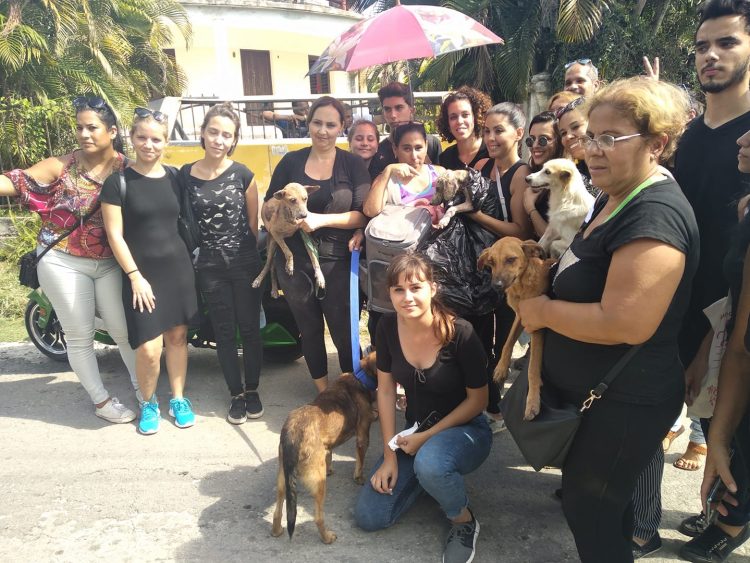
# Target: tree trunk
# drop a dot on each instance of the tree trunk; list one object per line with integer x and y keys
{"x": 15, "y": 7}
{"x": 638, "y": 8}
{"x": 660, "y": 16}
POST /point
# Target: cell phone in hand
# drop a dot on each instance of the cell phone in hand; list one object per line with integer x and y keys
{"x": 430, "y": 420}
{"x": 715, "y": 494}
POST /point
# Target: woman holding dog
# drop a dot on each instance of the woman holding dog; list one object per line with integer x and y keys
{"x": 440, "y": 362}
{"x": 624, "y": 281}
{"x": 335, "y": 212}
{"x": 461, "y": 118}
{"x": 140, "y": 207}
{"x": 224, "y": 197}
{"x": 544, "y": 143}
{"x": 79, "y": 275}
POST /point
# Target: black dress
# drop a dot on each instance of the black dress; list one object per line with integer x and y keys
{"x": 150, "y": 231}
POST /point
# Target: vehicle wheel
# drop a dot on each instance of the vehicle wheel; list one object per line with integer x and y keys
{"x": 283, "y": 354}
{"x": 50, "y": 340}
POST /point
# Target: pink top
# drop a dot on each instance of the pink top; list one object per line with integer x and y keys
{"x": 62, "y": 202}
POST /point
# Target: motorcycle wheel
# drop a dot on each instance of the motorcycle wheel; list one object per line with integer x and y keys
{"x": 50, "y": 341}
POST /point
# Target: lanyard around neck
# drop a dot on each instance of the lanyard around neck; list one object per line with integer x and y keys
{"x": 638, "y": 189}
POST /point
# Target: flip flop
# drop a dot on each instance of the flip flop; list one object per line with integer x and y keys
{"x": 671, "y": 436}
{"x": 692, "y": 459}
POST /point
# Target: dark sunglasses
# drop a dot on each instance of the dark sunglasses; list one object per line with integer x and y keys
{"x": 542, "y": 140}
{"x": 93, "y": 102}
{"x": 145, "y": 112}
{"x": 578, "y": 61}
{"x": 569, "y": 107}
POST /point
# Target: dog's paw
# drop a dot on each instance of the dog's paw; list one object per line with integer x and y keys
{"x": 320, "y": 280}
{"x": 256, "y": 283}
{"x": 329, "y": 471}
{"x": 533, "y": 407}
{"x": 275, "y": 293}
{"x": 328, "y": 537}
{"x": 289, "y": 269}
{"x": 276, "y": 532}
{"x": 359, "y": 479}
{"x": 444, "y": 222}
{"x": 501, "y": 373}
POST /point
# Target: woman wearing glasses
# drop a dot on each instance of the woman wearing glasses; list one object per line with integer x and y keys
{"x": 79, "y": 275}
{"x": 461, "y": 119}
{"x": 158, "y": 289}
{"x": 335, "y": 212}
{"x": 624, "y": 282}
{"x": 224, "y": 197}
{"x": 544, "y": 144}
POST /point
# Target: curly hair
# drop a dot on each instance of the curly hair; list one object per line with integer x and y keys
{"x": 480, "y": 103}
{"x": 655, "y": 107}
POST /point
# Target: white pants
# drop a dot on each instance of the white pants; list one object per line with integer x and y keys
{"x": 79, "y": 289}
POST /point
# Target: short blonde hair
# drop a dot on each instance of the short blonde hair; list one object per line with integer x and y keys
{"x": 565, "y": 97}
{"x": 164, "y": 124}
{"x": 655, "y": 107}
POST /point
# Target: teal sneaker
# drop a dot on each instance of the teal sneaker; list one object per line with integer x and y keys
{"x": 150, "y": 418}
{"x": 182, "y": 411}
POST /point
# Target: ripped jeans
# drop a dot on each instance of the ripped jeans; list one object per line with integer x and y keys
{"x": 233, "y": 304}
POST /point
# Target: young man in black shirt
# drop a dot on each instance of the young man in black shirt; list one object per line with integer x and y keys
{"x": 398, "y": 107}
{"x": 706, "y": 169}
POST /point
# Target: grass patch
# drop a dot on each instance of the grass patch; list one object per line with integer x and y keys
{"x": 12, "y": 330}
{"x": 12, "y": 294}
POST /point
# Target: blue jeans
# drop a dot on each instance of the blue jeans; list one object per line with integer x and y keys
{"x": 437, "y": 469}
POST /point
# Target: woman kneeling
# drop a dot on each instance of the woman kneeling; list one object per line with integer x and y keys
{"x": 441, "y": 364}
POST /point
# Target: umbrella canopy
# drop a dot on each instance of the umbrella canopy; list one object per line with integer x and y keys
{"x": 403, "y": 32}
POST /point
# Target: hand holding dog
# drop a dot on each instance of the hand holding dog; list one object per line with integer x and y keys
{"x": 312, "y": 222}
{"x": 384, "y": 479}
{"x": 531, "y": 312}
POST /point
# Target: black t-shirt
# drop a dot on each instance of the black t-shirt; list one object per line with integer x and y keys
{"x": 220, "y": 209}
{"x": 706, "y": 169}
{"x": 386, "y": 156}
{"x": 346, "y": 190}
{"x": 460, "y": 364}
{"x": 449, "y": 158}
{"x": 654, "y": 374}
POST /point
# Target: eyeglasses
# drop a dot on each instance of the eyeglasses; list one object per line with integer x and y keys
{"x": 93, "y": 102}
{"x": 569, "y": 107}
{"x": 145, "y": 112}
{"x": 578, "y": 61}
{"x": 603, "y": 142}
{"x": 542, "y": 140}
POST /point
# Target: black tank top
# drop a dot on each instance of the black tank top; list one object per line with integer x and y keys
{"x": 503, "y": 193}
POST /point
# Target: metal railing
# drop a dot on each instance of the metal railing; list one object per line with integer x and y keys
{"x": 265, "y": 118}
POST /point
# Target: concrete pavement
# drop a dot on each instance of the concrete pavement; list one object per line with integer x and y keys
{"x": 75, "y": 488}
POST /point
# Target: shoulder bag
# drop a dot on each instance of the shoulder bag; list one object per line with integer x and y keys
{"x": 546, "y": 440}
{"x": 28, "y": 263}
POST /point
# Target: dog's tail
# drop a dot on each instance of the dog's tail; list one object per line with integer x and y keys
{"x": 290, "y": 441}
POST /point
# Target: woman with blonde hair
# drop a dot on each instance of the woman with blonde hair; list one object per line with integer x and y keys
{"x": 623, "y": 283}
{"x": 158, "y": 283}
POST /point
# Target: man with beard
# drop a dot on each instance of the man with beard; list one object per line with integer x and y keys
{"x": 706, "y": 169}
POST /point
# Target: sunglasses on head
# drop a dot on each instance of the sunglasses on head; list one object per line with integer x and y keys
{"x": 145, "y": 112}
{"x": 93, "y": 102}
{"x": 577, "y": 61}
{"x": 569, "y": 107}
{"x": 542, "y": 140}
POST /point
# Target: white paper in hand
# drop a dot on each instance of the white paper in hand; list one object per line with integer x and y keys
{"x": 407, "y": 432}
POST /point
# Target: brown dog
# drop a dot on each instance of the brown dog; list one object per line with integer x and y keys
{"x": 281, "y": 216}
{"x": 447, "y": 186}
{"x": 519, "y": 269}
{"x": 307, "y": 438}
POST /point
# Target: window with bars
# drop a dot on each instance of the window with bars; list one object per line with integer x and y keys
{"x": 319, "y": 83}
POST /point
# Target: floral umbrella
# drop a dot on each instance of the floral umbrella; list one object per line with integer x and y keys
{"x": 403, "y": 32}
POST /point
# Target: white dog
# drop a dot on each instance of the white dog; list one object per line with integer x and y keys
{"x": 569, "y": 203}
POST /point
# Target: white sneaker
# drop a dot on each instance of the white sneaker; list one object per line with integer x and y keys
{"x": 115, "y": 411}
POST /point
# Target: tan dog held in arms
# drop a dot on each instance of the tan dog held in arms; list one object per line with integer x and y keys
{"x": 307, "y": 438}
{"x": 569, "y": 203}
{"x": 447, "y": 187}
{"x": 519, "y": 269}
{"x": 281, "y": 216}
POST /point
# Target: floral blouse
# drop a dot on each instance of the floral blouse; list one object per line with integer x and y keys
{"x": 61, "y": 203}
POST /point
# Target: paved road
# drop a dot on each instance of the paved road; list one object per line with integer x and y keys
{"x": 75, "y": 488}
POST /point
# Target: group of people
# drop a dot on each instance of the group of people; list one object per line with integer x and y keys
{"x": 645, "y": 264}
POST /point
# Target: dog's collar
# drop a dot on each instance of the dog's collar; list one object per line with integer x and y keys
{"x": 364, "y": 378}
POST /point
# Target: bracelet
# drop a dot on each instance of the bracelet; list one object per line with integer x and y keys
{"x": 131, "y": 272}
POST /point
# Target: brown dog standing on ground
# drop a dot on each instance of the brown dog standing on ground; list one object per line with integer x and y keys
{"x": 447, "y": 186}
{"x": 519, "y": 269}
{"x": 307, "y": 438}
{"x": 281, "y": 216}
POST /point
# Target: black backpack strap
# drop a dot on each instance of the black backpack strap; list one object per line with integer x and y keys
{"x": 598, "y": 391}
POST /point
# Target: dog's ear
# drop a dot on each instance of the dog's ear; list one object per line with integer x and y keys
{"x": 485, "y": 259}
{"x": 280, "y": 194}
{"x": 532, "y": 249}
{"x": 311, "y": 189}
{"x": 565, "y": 175}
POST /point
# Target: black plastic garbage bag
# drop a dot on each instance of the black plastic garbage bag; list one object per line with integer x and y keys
{"x": 454, "y": 251}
